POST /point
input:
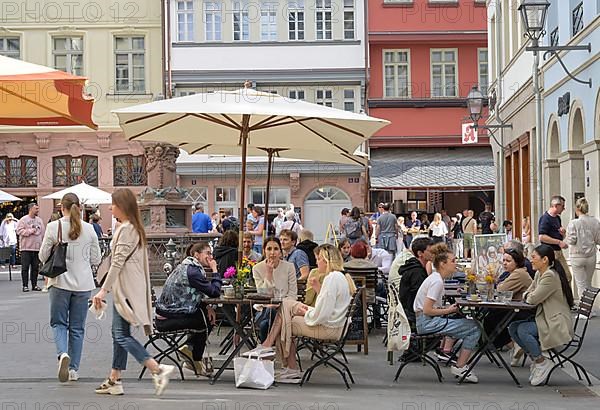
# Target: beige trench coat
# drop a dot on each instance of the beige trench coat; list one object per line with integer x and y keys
{"x": 553, "y": 315}
{"x": 130, "y": 281}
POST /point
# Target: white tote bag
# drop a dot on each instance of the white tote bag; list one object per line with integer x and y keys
{"x": 253, "y": 373}
{"x": 398, "y": 325}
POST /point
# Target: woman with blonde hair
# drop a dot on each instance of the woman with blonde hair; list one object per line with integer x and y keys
{"x": 438, "y": 228}
{"x": 583, "y": 238}
{"x": 430, "y": 311}
{"x": 129, "y": 279}
{"x": 324, "y": 321}
{"x": 69, "y": 292}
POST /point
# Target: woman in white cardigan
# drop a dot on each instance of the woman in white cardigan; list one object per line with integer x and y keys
{"x": 583, "y": 238}
{"x": 69, "y": 292}
{"x": 276, "y": 276}
{"x": 325, "y": 321}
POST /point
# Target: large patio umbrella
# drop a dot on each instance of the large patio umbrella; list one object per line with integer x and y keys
{"x": 6, "y": 197}
{"x": 34, "y": 95}
{"x": 246, "y": 118}
{"x": 334, "y": 156}
{"x": 87, "y": 194}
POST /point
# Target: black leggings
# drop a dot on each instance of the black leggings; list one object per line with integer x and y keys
{"x": 197, "y": 321}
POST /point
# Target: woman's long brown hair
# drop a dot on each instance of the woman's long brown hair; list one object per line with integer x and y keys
{"x": 127, "y": 203}
{"x": 70, "y": 202}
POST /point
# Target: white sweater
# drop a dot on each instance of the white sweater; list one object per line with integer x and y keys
{"x": 82, "y": 253}
{"x": 332, "y": 302}
{"x": 583, "y": 236}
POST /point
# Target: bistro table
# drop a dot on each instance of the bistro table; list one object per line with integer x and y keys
{"x": 479, "y": 310}
{"x": 239, "y": 326}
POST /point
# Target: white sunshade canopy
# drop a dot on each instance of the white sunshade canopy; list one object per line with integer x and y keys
{"x": 291, "y": 153}
{"x": 6, "y": 197}
{"x": 273, "y": 121}
{"x": 87, "y": 194}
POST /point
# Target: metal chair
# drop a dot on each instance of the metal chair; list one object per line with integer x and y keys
{"x": 420, "y": 344}
{"x": 327, "y": 350}
{"x": 169, "y": 343}
{"x": 565, "y": 353}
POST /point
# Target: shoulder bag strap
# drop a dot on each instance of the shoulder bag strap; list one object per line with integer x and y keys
{"x": 131, "y": 253}
{"x": 59, "y": 232}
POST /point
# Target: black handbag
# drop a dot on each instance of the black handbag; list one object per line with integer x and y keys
{"x": 57, "y": 262}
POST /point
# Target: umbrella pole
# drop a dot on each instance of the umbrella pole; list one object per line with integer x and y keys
{"x": 244, "y": 141}
{"x": 271, "y": 152}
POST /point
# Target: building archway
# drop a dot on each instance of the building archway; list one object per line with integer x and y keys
{"x": 576, "y": 128}
{"x": 322, "y": 207}
{"x": 552, "y": 167}
{"x": 553, "y": 149}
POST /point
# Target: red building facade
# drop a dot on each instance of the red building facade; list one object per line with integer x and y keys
{"x": 424, "y": 57}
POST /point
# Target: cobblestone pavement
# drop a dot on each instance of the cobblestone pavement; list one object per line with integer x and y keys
{"x": 28, "y": 380}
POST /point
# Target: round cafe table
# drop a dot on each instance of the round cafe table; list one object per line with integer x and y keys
{"x": 479, "y": 310}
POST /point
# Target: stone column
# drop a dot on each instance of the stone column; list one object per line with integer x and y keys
{"x": 551, "y": 177}
{"x": 163, "y": 205}
{"x": 571, "y": 181}
{"x": 591, "y": 163}
{"x": 160, "y": 164}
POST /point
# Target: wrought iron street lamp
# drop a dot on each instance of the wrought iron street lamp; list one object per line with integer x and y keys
{"x": 533, "y": 14}
{"x": 475, "y": 104}
{"x": 475, "y": 100}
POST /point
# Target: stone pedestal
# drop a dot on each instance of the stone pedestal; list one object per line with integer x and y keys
{"x": 163, "y": 205}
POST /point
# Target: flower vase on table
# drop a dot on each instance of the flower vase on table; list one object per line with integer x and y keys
{"x": 471, "y": 280}
{"x": 490, "y": 280}
{"x": 239, "y": 276}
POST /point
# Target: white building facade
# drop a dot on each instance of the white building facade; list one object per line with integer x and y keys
{"x": 312, "y": 50}
{"x": 570, "y": 110}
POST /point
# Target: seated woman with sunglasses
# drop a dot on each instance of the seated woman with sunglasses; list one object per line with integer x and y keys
{"x": 325, "y": 321}
{"x": 429, "y": 311}
{"x": 553, "y": 324}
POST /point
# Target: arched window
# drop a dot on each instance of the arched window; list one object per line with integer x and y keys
{"x": 327, "y": 193}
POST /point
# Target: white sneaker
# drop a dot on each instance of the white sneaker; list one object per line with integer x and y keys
{"x": 260, "y": 352}
{"x": 109, "y": 387}
{"x": 290, "y": 376}
{"x": 460, "y": 371}
{"x": 161, "y": 379}
{"x": 540, "y": 372}
{"x": 73, "y": 375}
{"x": 516, "y": 357}
{"x": 63, "y": 367}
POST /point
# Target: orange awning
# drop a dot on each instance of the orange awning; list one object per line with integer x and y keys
{"x": 34, "y": 95}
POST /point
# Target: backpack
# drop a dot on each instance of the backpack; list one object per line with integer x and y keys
{"x": 353, "y": 229}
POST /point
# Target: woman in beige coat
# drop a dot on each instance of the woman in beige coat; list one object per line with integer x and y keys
{"x": 553, "y": 325}
{"x": 129, "y": 279}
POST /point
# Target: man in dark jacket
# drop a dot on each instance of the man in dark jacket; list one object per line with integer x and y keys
{"x": 180, "y": 304}
{"x": 306, "y": 243}
{"x": 413, "y": 273}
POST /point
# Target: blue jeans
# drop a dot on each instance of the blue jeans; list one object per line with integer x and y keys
{"x": 264, "y": 320}
{"x": 466, "y": 329}
{"x": 124, "y": 343}
{"x": 12, "y": 259}
{"x": 68, "y": 311}
{"x": 525, "y": 334}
